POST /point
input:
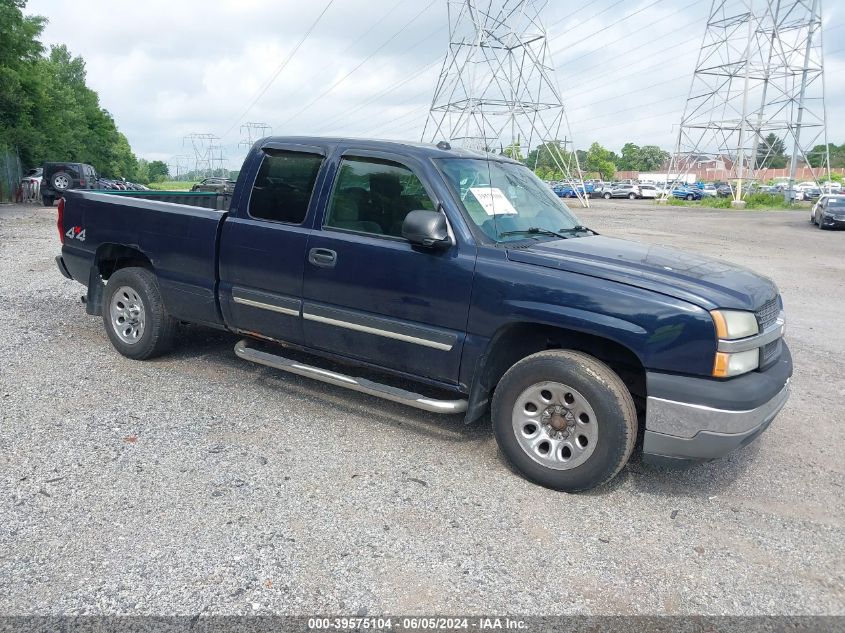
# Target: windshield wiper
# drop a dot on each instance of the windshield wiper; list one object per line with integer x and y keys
{"x": 534, "y": 230}
{"x": 578, "y": 229}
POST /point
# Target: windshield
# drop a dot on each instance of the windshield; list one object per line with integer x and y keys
{"x": 506, "y": 200}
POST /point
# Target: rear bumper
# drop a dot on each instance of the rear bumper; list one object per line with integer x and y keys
{"x": 60, "y": 262}
{"x": 690, "y": 420}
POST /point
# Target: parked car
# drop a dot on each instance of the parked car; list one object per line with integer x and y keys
{"x": 622, "y": 191}
{"x": 687, "y": 193}
{"x": 724, "y": 191}
{"x": 648, "y": 191}
{"x": 829, "y": 212}
{"x": 568, "y": 191}
{"x": 58, "y": 178}
{"x": 460, "y": 272}
{"x": 217, "y": 185}
{"x": 31, "y": 184}
{"x": 812, "y": 193}
{"x": 709, "y": 191}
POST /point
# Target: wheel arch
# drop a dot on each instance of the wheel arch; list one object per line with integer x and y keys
{"x": 109, "y": 258}
{"x": 515, "y": 341}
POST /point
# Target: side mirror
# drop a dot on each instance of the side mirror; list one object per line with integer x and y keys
{"x": 427, "y": 228}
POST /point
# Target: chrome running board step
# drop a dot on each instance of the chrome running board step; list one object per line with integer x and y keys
{"x": 361, "y": 385}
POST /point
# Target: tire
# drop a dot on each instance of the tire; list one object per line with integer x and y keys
{"x": 61, "y": 181}
{"x": 820, "y": 224}
{"x": 589, "y": 403}
{"x": 690, "y": 196}
{"x": 632, "y": 196}
{"x": 607, "y": 196}
{"x": 136, "y": 322}
{"x": 47, "y": 201}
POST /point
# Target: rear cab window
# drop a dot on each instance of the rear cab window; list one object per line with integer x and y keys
{"x": 284, "y": 185}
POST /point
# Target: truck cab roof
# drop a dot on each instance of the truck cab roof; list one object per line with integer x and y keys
{"x": 410, "y": 148}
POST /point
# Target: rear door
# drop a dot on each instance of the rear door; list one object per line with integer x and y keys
{"x": 368, "y": 293}
{"x": 263, "y": 244}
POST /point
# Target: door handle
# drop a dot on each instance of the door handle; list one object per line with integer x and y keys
{"x": 323, "y": 257}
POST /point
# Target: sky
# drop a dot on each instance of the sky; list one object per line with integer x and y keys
{"x": 368, "y": 68}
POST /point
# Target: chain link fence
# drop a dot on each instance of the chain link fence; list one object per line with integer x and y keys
{"x": 11, "y": 173}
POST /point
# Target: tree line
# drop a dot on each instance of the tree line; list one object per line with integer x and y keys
{"x": 547, "y": 159}
{"x": 47, "y": 112}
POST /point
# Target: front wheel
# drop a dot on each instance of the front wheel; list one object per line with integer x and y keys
{"x": 632, "y": 196}
{"x": 134, "y": 315}
{"x": 690, "y": 196}
{"x": 607, "y": 196}
{"x": 564, "y": 420}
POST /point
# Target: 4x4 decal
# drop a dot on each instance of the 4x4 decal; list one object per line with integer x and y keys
{"x": 76, "y": 233}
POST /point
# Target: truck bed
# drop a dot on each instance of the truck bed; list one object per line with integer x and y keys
{"x": 179, "y": 240}
{"x": 205, "y": 199}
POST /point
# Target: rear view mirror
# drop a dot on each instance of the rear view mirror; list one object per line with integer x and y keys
{"x": 427, "y": 228}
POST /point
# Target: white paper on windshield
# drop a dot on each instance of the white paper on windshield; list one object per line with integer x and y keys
{"x": 493, "y": 201}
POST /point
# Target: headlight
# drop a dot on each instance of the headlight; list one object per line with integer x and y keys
{"x": 734, "y": 324}
{"x": 727, "y": 365}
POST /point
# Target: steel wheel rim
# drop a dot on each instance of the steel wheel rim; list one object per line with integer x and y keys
{"x": 555, "y": 425}
{"x": 127, "y": 315}
{"x": 61, "y": 182}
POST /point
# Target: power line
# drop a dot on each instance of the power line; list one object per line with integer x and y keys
{"x": 350, "y": 47}
{"x": 332, "y": 120}
{"x": 281, "y": 67}
{"x": 606, "y": 44}
{"x": 584, "y": 6}
{"x": 366, "y": 59}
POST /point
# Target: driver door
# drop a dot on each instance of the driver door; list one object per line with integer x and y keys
{"x": 368, "y": 293}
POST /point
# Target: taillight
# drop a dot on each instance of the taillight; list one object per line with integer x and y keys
{"x": 82, "y": 182}
{"x": 60, "y": 221}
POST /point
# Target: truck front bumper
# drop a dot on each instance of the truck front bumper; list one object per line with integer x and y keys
{"x": 691, "y": 420}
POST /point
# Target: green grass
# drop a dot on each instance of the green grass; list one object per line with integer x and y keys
{"x": 172, "y": 185}
{"x": 753, "y": 201}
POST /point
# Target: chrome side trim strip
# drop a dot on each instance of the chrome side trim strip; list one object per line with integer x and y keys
{"x": 765, "y": 337}
{"x": 264, "y": 306}
{"x": 684, "y": 419}
{"x": 378, "y": 332}
{"x": 361, "y": 385}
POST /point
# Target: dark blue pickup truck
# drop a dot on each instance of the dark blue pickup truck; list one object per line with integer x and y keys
{"x": 460, "y": 275}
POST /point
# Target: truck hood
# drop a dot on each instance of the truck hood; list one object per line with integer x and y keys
{"x": 705, "y": 281}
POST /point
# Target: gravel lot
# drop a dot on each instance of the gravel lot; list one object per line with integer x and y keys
{"x": 200, "y": 483}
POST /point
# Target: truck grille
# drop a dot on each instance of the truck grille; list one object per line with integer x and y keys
{"x": 768, "y": 313}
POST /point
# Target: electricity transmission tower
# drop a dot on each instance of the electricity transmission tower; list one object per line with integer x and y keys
{"x": 497, "y": 89}
{"x": 178, "y": 165}
{"x": 251, "y": 132}
{"x": 206, "y": 152}
{"x": 759, "y": 76}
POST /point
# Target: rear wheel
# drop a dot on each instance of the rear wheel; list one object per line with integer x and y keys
{"x": 134, "y": 315}
{"x": 690, "y": 196}
{"x": 564, "y": 420}
{"x": 607, "y": 196}
{"x": 632, "y": 196}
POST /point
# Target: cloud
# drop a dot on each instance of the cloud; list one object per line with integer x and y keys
{"x": 165, "y": 69}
